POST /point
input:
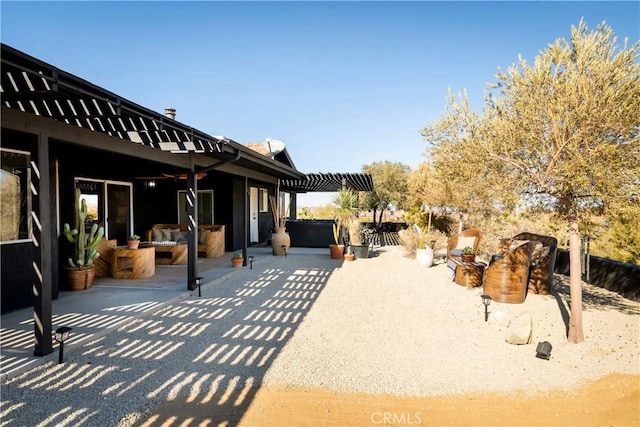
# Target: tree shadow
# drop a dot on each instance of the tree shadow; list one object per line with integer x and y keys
{"x": 198, "y": 361}
{"x": 593, "y": 298}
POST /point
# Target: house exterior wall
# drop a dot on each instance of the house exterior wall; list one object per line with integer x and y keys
{"x": 70, "y": 161}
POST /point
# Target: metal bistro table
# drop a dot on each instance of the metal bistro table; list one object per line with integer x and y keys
{"x": 133, "y": 263}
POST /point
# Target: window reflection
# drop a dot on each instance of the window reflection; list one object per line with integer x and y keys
{"x": 15, "y": 203}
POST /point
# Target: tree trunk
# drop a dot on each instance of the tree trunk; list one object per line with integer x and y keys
{"x": 429, "y": 223}
{"x": 374, "y": 217}
{"x": 576, "y": 334}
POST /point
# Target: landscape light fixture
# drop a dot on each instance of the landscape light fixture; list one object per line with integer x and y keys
{"x": 198, "y": 282}
{"x": 543, "y": 350}
{"x": 284, "y": 249}
{"x": 61, "y": 335}
{"x": 486, "y": 300}
{"x": 250, "y": 262}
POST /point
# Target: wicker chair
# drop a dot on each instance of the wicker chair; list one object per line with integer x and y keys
{"x": 506, "y": 277}
{"x": 454, "y": 249}
{"x": 542, "y": 265}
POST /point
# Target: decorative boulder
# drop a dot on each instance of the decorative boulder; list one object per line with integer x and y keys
{"x": 520, "y": 329}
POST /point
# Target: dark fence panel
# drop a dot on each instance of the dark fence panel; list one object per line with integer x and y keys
{"x": 615, "y": 276}
{"x": 310, "y": 233}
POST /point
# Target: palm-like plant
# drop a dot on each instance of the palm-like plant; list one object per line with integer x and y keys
{"x": 346, "y": 213}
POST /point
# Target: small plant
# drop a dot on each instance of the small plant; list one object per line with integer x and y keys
{"x": 238, "y": 255}
{"x": 468, "y": 250}
{"x": 134, "y": 237}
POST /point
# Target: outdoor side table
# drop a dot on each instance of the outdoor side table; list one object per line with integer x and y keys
{"x": 171, "y": 254}
{"x": 133, "y": 263}
{"x": 469, "y": 274}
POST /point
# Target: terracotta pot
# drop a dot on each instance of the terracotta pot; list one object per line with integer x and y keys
{"x": 336, "y": 251}
{"x": 133, "y": 244}
{"x": 80, "y": 278}
{"x": 237, "y": 262}
{"x": 468, "y": 258}
{"x": 349, "y": 257}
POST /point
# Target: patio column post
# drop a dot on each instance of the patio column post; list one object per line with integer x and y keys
{"x": 192, "y": 229}
{"x": 42, "y": 253}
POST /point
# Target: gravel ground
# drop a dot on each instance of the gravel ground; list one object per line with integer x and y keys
{"x": 377, "y": 325}
{"x": 385, "y": 325}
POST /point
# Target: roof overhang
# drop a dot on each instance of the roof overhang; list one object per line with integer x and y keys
{"x": 32, "y": 86}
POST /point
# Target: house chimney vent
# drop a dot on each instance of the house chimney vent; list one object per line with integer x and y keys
{"x": 170, "y": 112}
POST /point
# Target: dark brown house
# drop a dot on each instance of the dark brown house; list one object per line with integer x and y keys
{"x": 139, "y": 167}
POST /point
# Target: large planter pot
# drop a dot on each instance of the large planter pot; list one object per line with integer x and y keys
{"x": 360, "y": 251}
{"x": 80, "y": 278}
{"x": 336, "y": 251}
{"x": 424, "y": 257}
{"x": 280, "y": 241}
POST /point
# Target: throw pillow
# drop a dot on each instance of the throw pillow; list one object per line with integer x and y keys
{"x": 176, "y": 235}
{"x": 202, "y": 236}
{"x": 157, "y": 235}
{"x": 166, "y": 234}
{"x": 540, "y": 252}
{"x": 464, "y": 241}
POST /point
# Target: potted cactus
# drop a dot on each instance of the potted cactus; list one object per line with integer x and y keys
{"x": 80, "y": 268}
{"x": 237, "y": 259}
{"x": 133, "y": 241}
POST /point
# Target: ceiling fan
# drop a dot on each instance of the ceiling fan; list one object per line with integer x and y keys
{"x": 171, "y": 176}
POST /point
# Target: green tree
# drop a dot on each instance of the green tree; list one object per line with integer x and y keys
{"x": 562, "y": 132}
{"x": 426, "y": 192}
{"x": 390, "y": 186}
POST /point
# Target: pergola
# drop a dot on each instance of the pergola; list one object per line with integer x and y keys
{"x": 329, "y": 182}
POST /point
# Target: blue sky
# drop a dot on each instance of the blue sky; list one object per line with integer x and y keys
{"x": 343, "y": 84}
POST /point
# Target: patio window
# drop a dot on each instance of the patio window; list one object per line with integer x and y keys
{"x": 15, "y": 203}
{"x": 205, "y": 207}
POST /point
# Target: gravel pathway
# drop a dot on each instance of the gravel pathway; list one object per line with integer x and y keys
{"x": 377, "y": 325}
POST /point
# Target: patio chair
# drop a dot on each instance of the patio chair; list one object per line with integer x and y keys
{"x": 507, "y": 275}
{"x": 469, "y": 237}
{"x": 543, "y": 262}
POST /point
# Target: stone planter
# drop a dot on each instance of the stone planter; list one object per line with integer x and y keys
{"x": 360, "y": 251}
{"x": 424, "y": 257}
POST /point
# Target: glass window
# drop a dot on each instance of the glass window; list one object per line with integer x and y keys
{"x": 205, "y": 207}
{"x": 15, "y": 203}
{"x": 264, "y": 200}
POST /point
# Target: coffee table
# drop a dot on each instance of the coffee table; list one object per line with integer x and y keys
{"x": 171, "y": 255}
{"x": 133, "y": 263}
